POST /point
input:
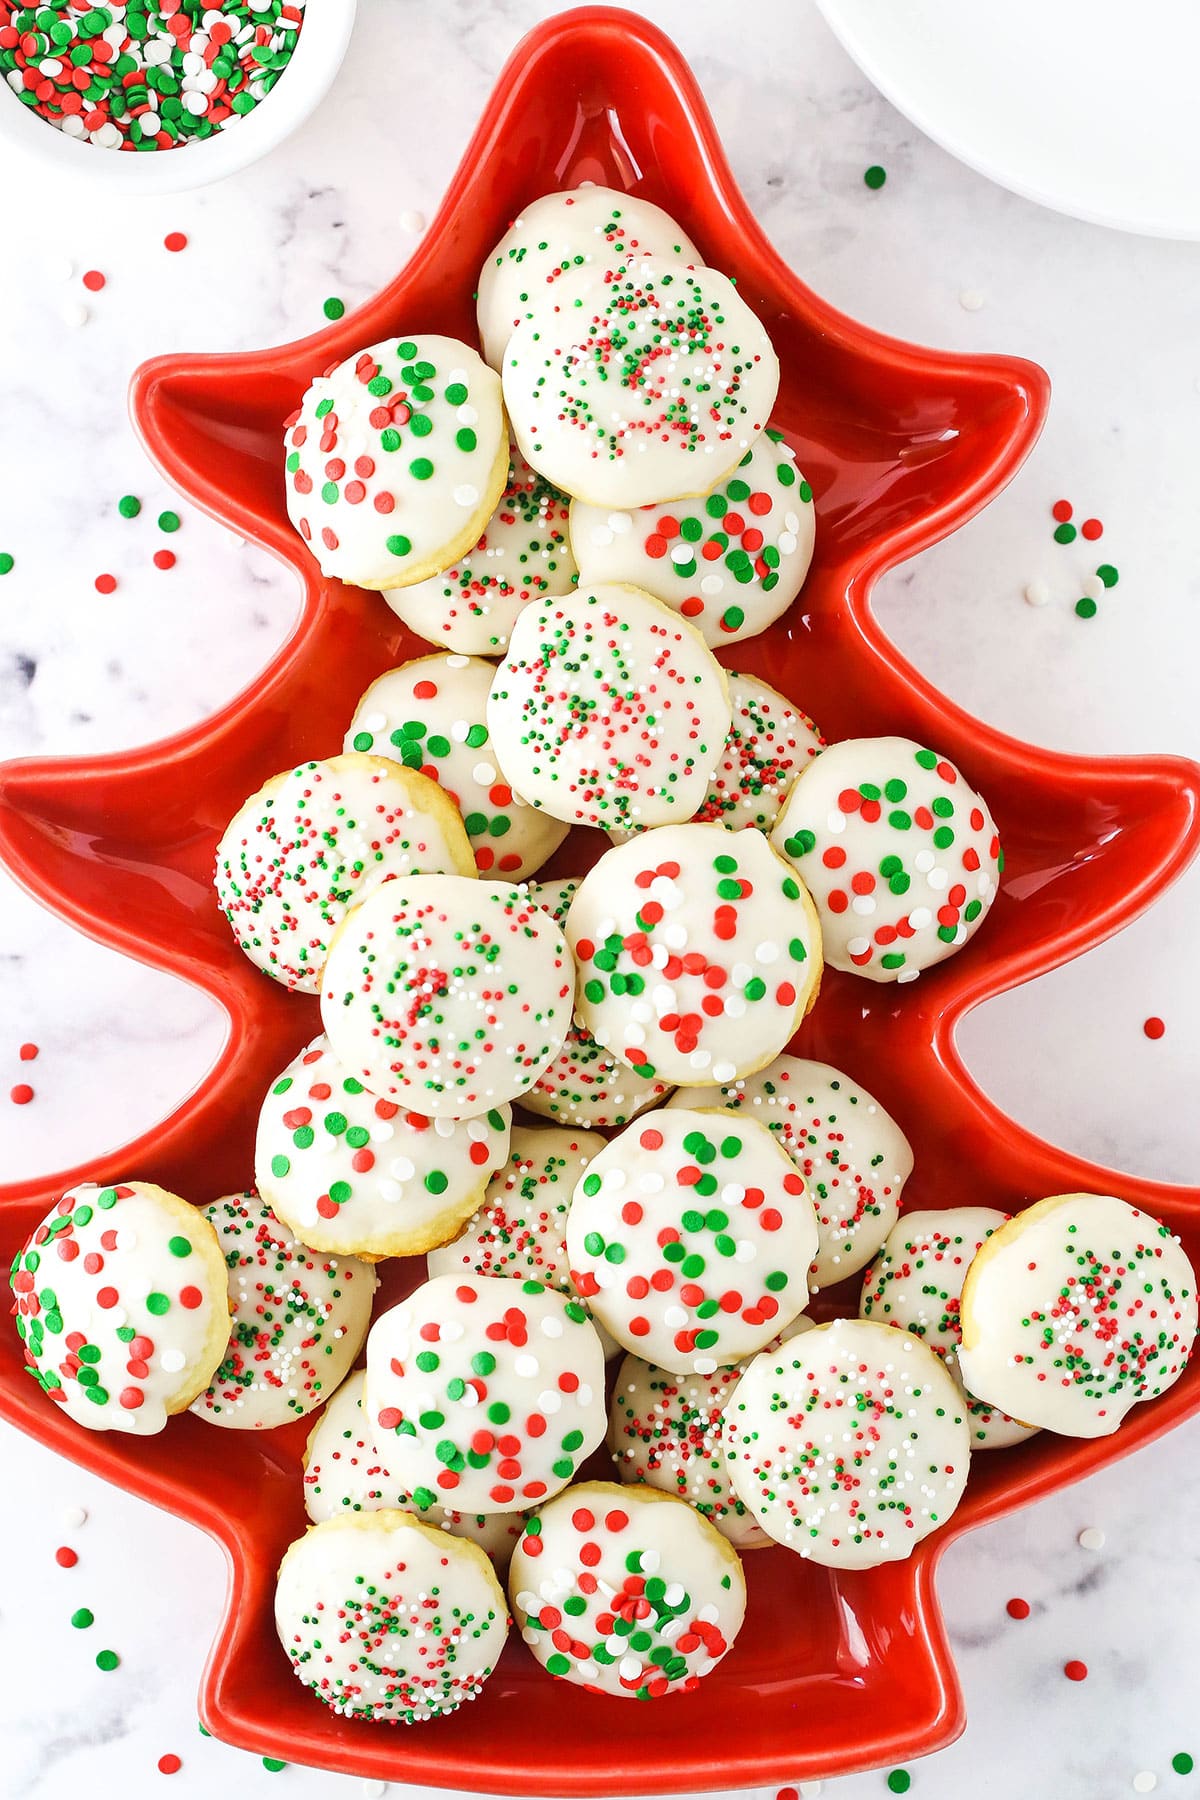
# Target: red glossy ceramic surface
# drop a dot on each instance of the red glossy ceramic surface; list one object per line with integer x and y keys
{"x": 833, "y": 1671}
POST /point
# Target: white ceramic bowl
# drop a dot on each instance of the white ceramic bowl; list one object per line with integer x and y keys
{"x": 317, "y": 58}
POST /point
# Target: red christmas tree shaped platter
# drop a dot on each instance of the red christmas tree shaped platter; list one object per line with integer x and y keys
{"x": 833, "y": 1671}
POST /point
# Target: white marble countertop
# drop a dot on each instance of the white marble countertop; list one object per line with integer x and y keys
{"x": 333, "y": 212}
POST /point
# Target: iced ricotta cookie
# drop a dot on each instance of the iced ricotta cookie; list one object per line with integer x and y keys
{"x": 769, "y": 743}
{"x": 430, "y": 715}
{"x": 313, "y": 840}
{"x": 1074, "y": 1311}
{"x": 849, "y": 1443}
{"x": 395, "y": 459}
{"x": 448, "y": 996}
{"x": 654, "y": 385}
{"x": 608, "y": 710}
{"x": 586, "y": 1085}
{"x": 626, "y": 1591}
{"x": 488, "y": 1393}
{"x": 665, "y": 1430}
{"x": 122, "y": 1305}
{"x": 343, "y": 1474}
{"x": 915, "y": 1282}
{"x": 355, "y": 1174}
{"x": 300, "y": 1318}
{"x": 519, "y": 1230}
{"x": 387, "y": 1619}
{"x": 854, "y": 1157}
{"x": 698, "y": 951}
{"x": 524, "y": 554}
{"x": 690, "y": 1237}
{"x": 731, "y": 561}
{"x": 558, "y": 246}
{"x": 901, "y": 856}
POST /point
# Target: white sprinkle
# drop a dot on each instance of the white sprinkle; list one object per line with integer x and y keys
{"x": 1093, "y": 587}
{"x": 810, "y": 1790}
{"x": 682, "y": 553}
{"x": 172, "y": 1361}
{"x": 970, "y": 299}
{"x": 525, "y": 1365}
{"x": 920, "y": 917}
{"x": 907, "y": 975}
{"x": 711, "y": 584}
{"x": 402, "y": 1169}
{"x": 1037, "y": 593}
{"x": 858, "y": 946}
{"x": 73, "y": 1517}
{"x": 787, "y": 542}
{"x": 108, "y": 136}
{"x": 195, "y": 104}
{"x": 484, "y": 774}
{"x": 619, "y": 523}
{"x": 1092, "y": 1538}
{"x": 723, "y": 1071}
{"x": 412, "y": 221}
{"x": 374, "y": 1789}
{"x": 630, "y": 1668}
{"x": 1145, "y": 1782}
{"x": 602, "y": 537}
{"x": 766, "y": 952}
{"x": 466, "y": 495}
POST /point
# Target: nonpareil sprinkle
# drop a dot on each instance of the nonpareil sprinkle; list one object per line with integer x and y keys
{"x": 333, "y": 307}
{"x": 146, "y": 76}
{"x": 6, "y": 562}
{"x": 107, "y": 1660}
{"x": 875, "y": 176}
{"x": 129, "y": 506}
{"x": 168, "y": 521}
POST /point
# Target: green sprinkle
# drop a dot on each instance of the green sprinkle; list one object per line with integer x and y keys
{"x": 6, "y": 562}
{"x": 1182, "y": 1763}
{"x": 899, "y": 1781}
{"x": 180, "y": 1246}
{"x": 129, "y": 506}
{"x": 875, "y": 176}
{"x": 1086, "y": 608}
{"x": 107, "y": 1660}
{"x": 168, "y": 521}
{"x": 1106, "y": 572}
{"x": 1063, "y": 534}
{"x": 399, "y": 545}
{"x": 333, "y": 307}
{"x": 274, "y": 1763}
{"x": 82, "y": 1619}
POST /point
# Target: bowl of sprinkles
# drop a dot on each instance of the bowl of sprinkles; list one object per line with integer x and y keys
{"x": 104, "y": 91}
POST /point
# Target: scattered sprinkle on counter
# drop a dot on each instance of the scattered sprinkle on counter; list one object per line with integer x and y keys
{"x": 1091, "y": 1538}
{"x": 168, "y": 521}
{"x": 1075, "y": 1670}
{"x": 22, "y": 1094}
{"x": 129, "y": 506}
{"x": 164, "y": 559}
{"x": 74, "y": 313}
{"x": 93, "y": 281}
{"x": 106, "y": 584}
{"x": 875, "y": 176}
{"x": 1108, "y": 575}
{"x": 28, "y": 1052}
{"x": 71, "y": 1516}
{"x": 899, "y": 1781}
{"x": 273, "y": 1763}
{"x": 333, "y": 307}
{"x": 108, "y": 1660}
{"x": 1091, "y": 529}
{"x": 971, "y": 300}
{"x": 1018, "y": 1609}
{"x": 82, "y": 1618}
{"x": 175, "y": 240}
{"x": 1182, "y": 1763}
{"x": 6, "y": 562}
{"x": 155, "y": 75}
{"x": 1154, "y": 1027}
{"x": 1145, "y": 1781}
{"x": 170, "y": 1764}
{"x": 1086, "y": 608}
{"x": 1037, "y": 593}
{"x": 1065, "y": 533}
{"x": 65, "y": 1557}
{"x": 412, "y": 221}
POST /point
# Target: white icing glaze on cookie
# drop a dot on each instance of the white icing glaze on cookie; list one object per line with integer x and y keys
{"x": 558, "y": 246}
{"x": 698, "y": 953}
{"x": 901, "y": 856}
{"x": 343, "y": 1473}
{"x": 523, "y": 554}
{"x": 626, "y": 1591}
{"x": 485, "y": 1393}
{"x": 353, "y": 1173}
{"x": 854, "y": 1157}
{"x": 690, "y": 1237}
{"x": 849, "y": 1443}
{"x": 387, "y": 1619}
{"x": 731, "y": 561}
{"x": 608, "y": 709}
{"x": 430, "y": 715}
{"x": 300, "y": 1318}
{"x": 395, "y": 459}
{"x": 447, "y": 995}
{"x": 1075, "y": 1310}
{"x": 313, "y": 840}
{"x": 665, "y": 1430}
{"x": 655, "y": 384}
{"x": 915, "y": 1282}
{"x": 586, "y": 1085}
{"x": 121, "y": 1305}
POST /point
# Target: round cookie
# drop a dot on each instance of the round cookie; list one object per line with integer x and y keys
{"x": 558, "y": 246}
{"x": 915, "y": 1282}
{"x": 519, "y": 1229}
{"x": 388, "y": 1619}
{"x": 854, "y": 1157}
{"x": 665, "y": 1430}
{"x": 1075, "y": 1310}
{"x": 626, "y": 1591}
{"x": 299, "y": 1320}
{"x": 524, "y": 554}
{"x": 486, "y": 1393}
{"x": 608, "y": 710}
{"x": 769, "y": 743}
{"x": 447, "y": 995}
{"x": 395, "y": 460}
{"x": 731, "y": 561}
{"x": 343, "y": 1474}
{"x": 698, "y": 953}
{"x": 654, "y": 384}
{"x": 355, "y": 1174}
{"x": 430, "y": 715}
{"x": 690, "y": 1237}
{"x": 586, "y": 1085}
{"x": 313, "y": 840}
{"x": 849, "y": 1443}
{"x": 122, "y": 1305}
{"x": 901, "y": 856}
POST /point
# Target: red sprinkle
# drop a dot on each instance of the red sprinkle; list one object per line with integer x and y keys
{"x": 1075, "y": 1671}
{"x": 169, "y": 1764}
{"x": 1154, "y": 1028}
{"x": 164, "y": 559}
{"x": 175, "y": 240}
{"x": 65, "y": 1557}
{"x": 93, "y": 281}
{"x": 22, "y": 1094}
{"x": 1062, "y": 510}
{"x": 106, "y": 584}
{"x": 1091, "y": 528}
{"x": 28, "y": 1052}
{"x": 1018, "y": 1609}
{"x": 787, "y": 1794}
